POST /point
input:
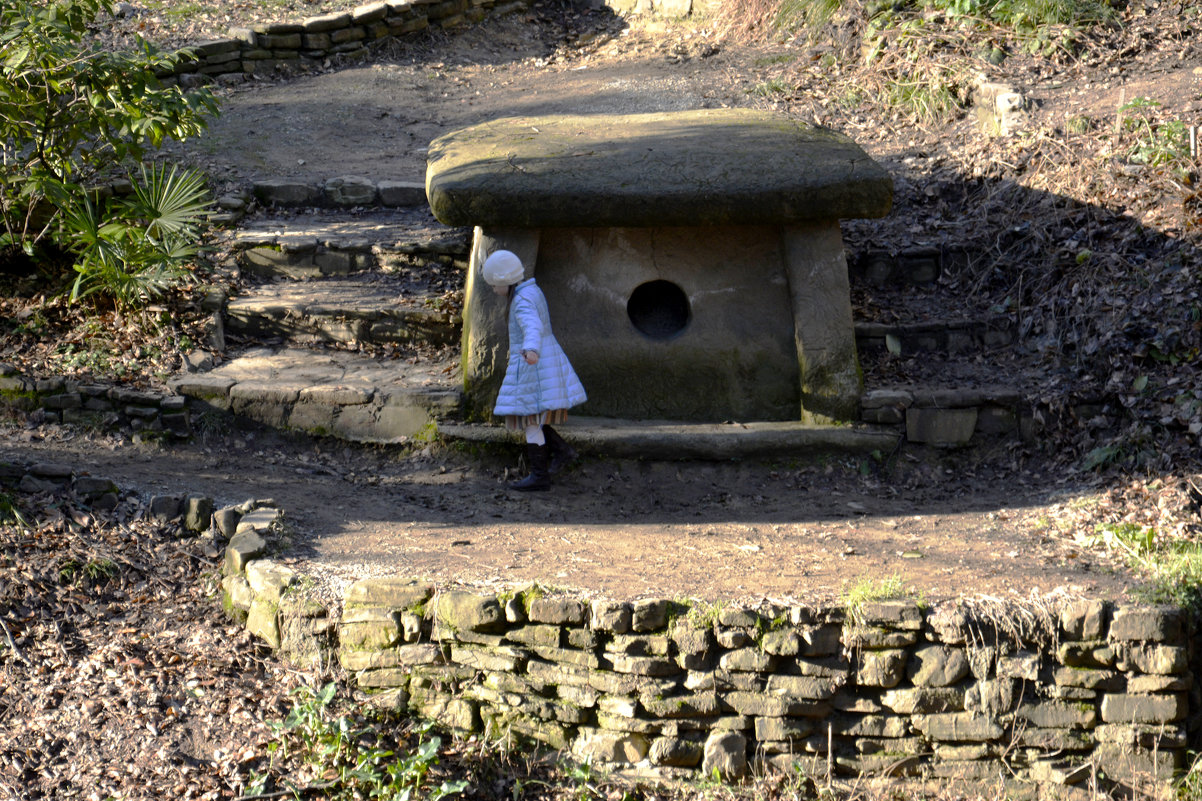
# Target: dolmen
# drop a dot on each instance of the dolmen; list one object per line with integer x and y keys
{"x": 692, "y": 261}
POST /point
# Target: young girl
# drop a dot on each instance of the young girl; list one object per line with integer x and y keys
{"x": 540, "y": 384}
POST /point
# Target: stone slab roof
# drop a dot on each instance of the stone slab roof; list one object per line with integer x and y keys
{"x": 702, "y": 167}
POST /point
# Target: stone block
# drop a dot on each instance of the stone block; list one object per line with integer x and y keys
{"x": 1088, "y": 678}
{"x": 1147, "y": 624}
{"x": 326, "y": 22}
{"x": 751, "y": 660}
{"x": 369, "y": 629}
{"x": 350, "y": 190}
{"x": 756, "y": 704}
{"x": 198, "y": 512}
{"x": 676, "y": 752}
{"x": 509, "y": 660}
{"x": 281, "y": 192}
{"x": 269, "y": 579}
{"x": 461, "y": 611}
{"x": 924, "y": 700}
{"x": 1130, "y": 708}
{"x": 1138, "y": 767}
{"x": 681, "y": 706}
{"x": 1058, "y": 715}
{"x": 643, "y": 665}
{"x": 940, "y": 427}
{"x": 937, "y": 666}
{"x": 165, "y": 508}
{"x": 813, "y": 688}
{"x": 725, "y": 755}
{"x": 242, "y": 548}
{"x": 958, "y": 727}
{"x": 783, "y": 728}
{"x": 238, "y": 592}
{"x": 1155, "y": 659}
{"x": 870, "y": 726}
{"x": 558, "y": 611}
{"x": 650, "y": 615}
{"x": 881, "y": 668}
{"x": 545, "y": 636}
{"x": 610, "y": 616}
{"x": 402, "y": 193}
{"x": 782, "y": 642}
{"x": 263, "y": 621}
{"x": 611, "y": 746}
{"x": 639, "y": 645}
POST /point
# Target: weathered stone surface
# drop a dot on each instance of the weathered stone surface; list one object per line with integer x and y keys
{"x": 1088, "y": 678}
{"x": 940, "y": 427}
{"x": 880, "y": 637}
{"x": 166, "y": 507}
{"x": 1140, "y": 735}
{"x": 665, "y": 169}
{"x": 1128, "y": 708}
{"x": 924, "y": 700}
{"x": 198, "y": 512}
{"x": 369, "y": 628}
{"x": 893, "y": 614}
{"x": 610, "y": 616}
{"x": 682, "y": 706}
{"x": 650, "y": 614}
{"x": 725, "y": 755}
{"x": 461, "y": 611}
{"x": 1137, "y": 766}
{"x": 393, "y": 592}
{"x": 807, "y": 687}
{"x": 1058, "y": 715}
{"x": 643, "y": 665}
{"x": 558, "y": 611}
{"x": 285, "y": 192}
{"x": 262, "y": 621}
{"x": 750, "y": 660}
{"x": 871, "y": 726}
{"x": 238, "y": 592}
{"x": 1021, "y": 665}
{"x": 783, "y": 642}
{"x": 675, "y": 751}
{"x": 1147, "y": 624}
{"x": 242, "y": 548}
{"x": 937, "y": 666}
{"x": 881, "y": 668}
{"x": 544, "y": 636}
{"x": 640, "y": 645}
{"x": 1155, "y": 659}
{"x": 611, "y": 746}
{"x": 765, "y": 705}
{"x": 783, "y": 728}
{"x": 1084, "y": 620}
{"x": 498, "y": 659}
{"x": 269, "y": 579}
{"x": 958, "y": 727}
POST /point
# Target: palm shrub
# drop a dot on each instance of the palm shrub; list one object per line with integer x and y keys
{"x": 73, "y": 113}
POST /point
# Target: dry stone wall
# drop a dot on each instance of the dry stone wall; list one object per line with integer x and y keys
{"x": 1090, "y": 693}
{"x": 269, "y": 48}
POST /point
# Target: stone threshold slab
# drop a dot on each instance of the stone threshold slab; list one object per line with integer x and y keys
{"x": 672, "y": 440}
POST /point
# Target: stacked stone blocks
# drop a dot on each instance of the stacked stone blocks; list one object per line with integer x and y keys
{"x": 265, "y": 49}
{"x": 658, "y": 688}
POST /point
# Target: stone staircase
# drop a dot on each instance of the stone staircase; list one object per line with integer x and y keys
{"x": 351, "y": 329}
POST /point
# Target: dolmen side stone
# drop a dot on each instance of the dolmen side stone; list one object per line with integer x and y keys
{"x": 692, "y": 261}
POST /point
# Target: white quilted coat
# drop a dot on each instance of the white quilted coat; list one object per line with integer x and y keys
{"x": 552, "y": 383}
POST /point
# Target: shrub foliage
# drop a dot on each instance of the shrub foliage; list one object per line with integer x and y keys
{"x": 73, "y": 114}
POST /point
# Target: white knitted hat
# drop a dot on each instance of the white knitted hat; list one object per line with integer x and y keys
{"x": 502, "y": 269}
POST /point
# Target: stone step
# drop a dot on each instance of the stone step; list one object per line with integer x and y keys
{"x": 330, "y": 393}
{"x": 316, "y": 245}
{"x": 939, "y": 336}
{"x": 672, "y": 440}
{"x": 368, "y": 308}
{"x": 950, "y": 416}
{"x": 357, "y": 398}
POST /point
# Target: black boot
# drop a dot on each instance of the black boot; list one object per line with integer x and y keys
{"x": 539, "y": 479}
{"x": 562, "y": 454}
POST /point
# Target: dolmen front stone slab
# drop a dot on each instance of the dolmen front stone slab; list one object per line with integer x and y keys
{"x": 692, "y": 261}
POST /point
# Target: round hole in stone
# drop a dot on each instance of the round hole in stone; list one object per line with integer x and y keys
{"x": 658, "y": 309}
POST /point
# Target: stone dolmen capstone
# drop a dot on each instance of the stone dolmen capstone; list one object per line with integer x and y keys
{"x": 693, "y": 260}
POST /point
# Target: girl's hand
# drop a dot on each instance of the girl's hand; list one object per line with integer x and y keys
{"x": 531, "y": 356}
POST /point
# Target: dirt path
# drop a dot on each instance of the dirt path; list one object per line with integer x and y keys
{"x": 621, "y": 529}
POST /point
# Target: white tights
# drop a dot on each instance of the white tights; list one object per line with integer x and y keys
{"x": 534, "y": 435}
